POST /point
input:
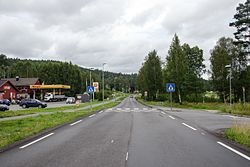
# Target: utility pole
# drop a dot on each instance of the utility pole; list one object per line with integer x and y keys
{"x": 230, "y": 85}
{"x": 103, "y": 85}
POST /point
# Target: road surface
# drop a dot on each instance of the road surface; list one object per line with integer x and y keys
{"x": 129, "y": 135}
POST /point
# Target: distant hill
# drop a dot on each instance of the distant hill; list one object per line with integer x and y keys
{"x": 57, "y": 72}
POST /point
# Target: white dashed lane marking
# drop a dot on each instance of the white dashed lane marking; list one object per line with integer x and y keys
{"x": 188, "y": 126}
{"x": 233, "y": 150}
{"x": 36, "y": 141}
{"x": 127, "y": 156}
{"x": 91, "y": 116}
{"x": 76, "y": 122}
{"x": 171, "y": 117}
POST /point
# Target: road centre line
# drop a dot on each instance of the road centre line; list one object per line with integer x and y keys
{"x": 188, "y": 126}
{"x": 127, "y": 156}
{"x": 171, "y": 117}
{"x": 91, "y": 116}
{"x": 233, "y": 150}
{"x": 36, "y": 141}
{"x": 76, "y": 122}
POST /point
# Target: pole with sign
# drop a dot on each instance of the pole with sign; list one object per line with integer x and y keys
{"x": 171, "y": 89}
{"x": 91, "y": 90}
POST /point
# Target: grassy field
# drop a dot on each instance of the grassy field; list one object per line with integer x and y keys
{"x": 240, "y": 133}
{"x": 238, "y": 109}
{"x": 38, "y": 110}
{"x": 16, "y": 130}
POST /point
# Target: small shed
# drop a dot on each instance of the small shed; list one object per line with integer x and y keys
{"x": 83, "y": 97}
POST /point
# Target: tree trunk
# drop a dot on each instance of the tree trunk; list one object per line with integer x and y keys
{"x": 224, "y": 97}
{"x": 179, "y": 95}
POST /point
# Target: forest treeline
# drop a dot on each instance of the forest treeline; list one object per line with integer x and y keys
{"x": 184, "y": 66}
{"x": 56, "y": 72}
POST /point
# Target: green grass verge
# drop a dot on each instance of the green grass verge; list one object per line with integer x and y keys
{"x": 238, "y": 109}
{"x": 16, "y": 130}
{"x": 239, "y": 133}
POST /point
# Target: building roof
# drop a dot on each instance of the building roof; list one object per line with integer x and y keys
{"x": 23, "y": 81}
{"x": 2, "y": 82}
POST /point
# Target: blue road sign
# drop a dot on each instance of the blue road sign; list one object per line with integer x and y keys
{"x": 170, "y": 87}
{"x": 91, "y": 89}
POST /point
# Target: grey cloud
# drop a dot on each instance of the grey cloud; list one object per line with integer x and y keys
{"x": 90, "y": 32}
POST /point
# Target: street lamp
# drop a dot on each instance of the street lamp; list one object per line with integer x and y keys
{"x": 103, "y": 81}
{"x": 230, "y": 85}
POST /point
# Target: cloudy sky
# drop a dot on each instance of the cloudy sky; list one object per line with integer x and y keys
{"x": 117, "y": 32}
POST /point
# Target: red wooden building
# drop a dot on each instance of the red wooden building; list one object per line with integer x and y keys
{"x": 7, "y": 90}
{"x": 23, "y": 85}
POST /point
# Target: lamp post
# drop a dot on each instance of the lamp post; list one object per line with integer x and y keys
{"x": 230, "y": 85}
{"x": 90, "y": 84}
{"x": 103, "y": 81}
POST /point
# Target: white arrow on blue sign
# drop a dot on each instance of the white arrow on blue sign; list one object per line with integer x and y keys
{"x": 91, "y": 89}
{"x": 170, "y": 87}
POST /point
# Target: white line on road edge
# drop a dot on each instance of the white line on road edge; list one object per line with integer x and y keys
{"x": 235, "y": 151}
{"x": 127, "y": 156}
{"x": 189, "y": 126}
{"x": 36, "y": 141}
{"x": 171, "y": 117}
{"x": 76, "y": 122}
{"x": 101, "y": 112}
{"x": 91, "y": 115}
{"x": 163, "y": 112}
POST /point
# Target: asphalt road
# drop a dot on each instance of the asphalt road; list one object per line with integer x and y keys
{"x": 129, "y": 135}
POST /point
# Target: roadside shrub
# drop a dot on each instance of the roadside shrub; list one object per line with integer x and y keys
{"x": 240, "y": 133}
{"x": 107, "y": 94}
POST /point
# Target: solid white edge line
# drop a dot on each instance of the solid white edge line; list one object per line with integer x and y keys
{"x": 76, "y": 122}
{"x": 127, "y": 156}
{"x": 35, "y": 141}
{"x": 91, "y": 115}
{"x": 163, "y": 112}
{"x": 233, "y": 150}
{"x": 171, "y": 117}
{"x": 188, "y": 126}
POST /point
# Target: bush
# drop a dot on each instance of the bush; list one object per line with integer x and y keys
{"x": 107, "y": 94}
{"x": 162, "y": 97}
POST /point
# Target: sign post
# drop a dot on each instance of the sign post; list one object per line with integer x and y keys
{"x": 171, "y": 89}
{"x": 91, "y": 90}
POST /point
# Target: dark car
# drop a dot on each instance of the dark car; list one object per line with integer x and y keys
{"x": 3, "y": 108}
{"x": 26, "y": 103}
{"x": 5, "y": 101}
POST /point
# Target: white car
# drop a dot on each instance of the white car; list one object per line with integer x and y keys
{"x": 70, "y": 100}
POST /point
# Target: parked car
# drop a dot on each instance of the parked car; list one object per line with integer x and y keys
{"x": 3, "y": 108}
{"x": 26, "y": 103}
{"x": 70, "y": 100}
{"x": 5, "y": 101}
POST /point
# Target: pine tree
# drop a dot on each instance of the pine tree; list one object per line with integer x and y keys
{"x": 242, "y": 24}
{"x": 176, "y": 66}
